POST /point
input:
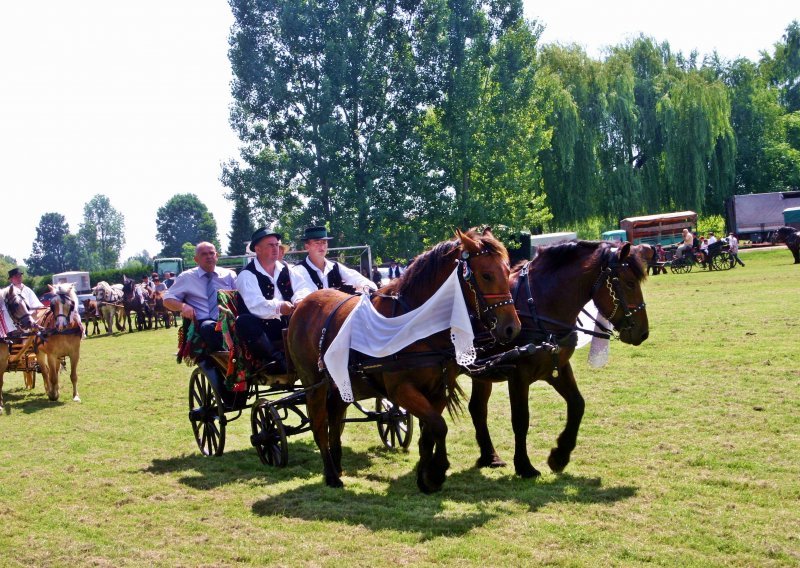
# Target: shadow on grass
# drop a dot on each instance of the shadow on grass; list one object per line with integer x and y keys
{"x": 28, "y": 401}
{"x": 239, "y": 466}
{"x": 403, "y": 508}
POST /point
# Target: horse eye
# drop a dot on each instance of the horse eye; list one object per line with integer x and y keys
{"x": 487, "y": 276}
{"x": 630, "y": 285}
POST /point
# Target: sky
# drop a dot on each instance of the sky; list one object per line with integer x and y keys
{"x": 131, "y": 99}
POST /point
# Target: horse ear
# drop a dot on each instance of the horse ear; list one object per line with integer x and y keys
{"x": 51, "y": 287}
{"x": 624, "y": 251}
{"x": 469, "y": 244}
{"x": 487, "y": 231}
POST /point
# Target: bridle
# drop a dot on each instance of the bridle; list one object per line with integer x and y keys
{"x": 64, "y": 300}
{"x": 480, "y": 299}
{"x": 609, "y": 275}
{"x": 20, "y": 321}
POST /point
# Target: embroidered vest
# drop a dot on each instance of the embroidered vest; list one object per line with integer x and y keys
{"x": 334, "y": 276}
{"x": 284, "y": 283}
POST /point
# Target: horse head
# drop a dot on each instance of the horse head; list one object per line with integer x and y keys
{"x": 18, "y": 309}
{"x": 617, "y": 291}
{"x": 484, "y": 272}
{"x": 783, "y": 234}
{"x": 64, "y": 305}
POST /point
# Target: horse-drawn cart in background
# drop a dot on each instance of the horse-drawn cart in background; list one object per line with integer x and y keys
{"x": 719, "y": 258}
{"x": 225, "y": 384}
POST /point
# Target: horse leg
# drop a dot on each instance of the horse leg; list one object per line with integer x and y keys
{"x": 566, "y": 386}
{"x": 317, "y": 408}
{"x": 337, "y": 410}
{"x": 73, "y": 375}
{"x": 478, "y": 410}
{"x": 518, "y": 388}
{"x": 433, "y": 463}
{"x": 50, "y": 370}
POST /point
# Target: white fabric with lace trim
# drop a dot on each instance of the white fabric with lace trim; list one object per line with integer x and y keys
{"x": 367, "y": 331}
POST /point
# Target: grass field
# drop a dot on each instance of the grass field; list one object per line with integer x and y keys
{"x": 689, "y": 454}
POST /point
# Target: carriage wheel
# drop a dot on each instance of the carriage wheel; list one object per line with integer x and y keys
{"x": 206, "y": 414}
{"x": 724, "y": 261}
{"x": 269, "y": 436}
{"x": 395, "y": 424}
{"x": 682, "y": 268}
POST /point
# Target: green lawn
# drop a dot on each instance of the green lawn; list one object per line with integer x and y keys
{"x": 689, "y": 454}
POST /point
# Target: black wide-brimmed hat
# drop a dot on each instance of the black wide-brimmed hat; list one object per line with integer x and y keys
{"x": 315, "y": 233}
{"x": 262, "y": 233}
{"x": 14, "y": 272}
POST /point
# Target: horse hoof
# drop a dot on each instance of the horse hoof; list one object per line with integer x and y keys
{"x": 492, "y": 461}
{"x": 525, "y": 470}
{"x": 557, "y": 460}
{"x": 334, "y": 482}
{"x": 76, "y": 399}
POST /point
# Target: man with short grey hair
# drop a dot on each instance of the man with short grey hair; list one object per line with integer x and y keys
{"x": 194, "y": 293}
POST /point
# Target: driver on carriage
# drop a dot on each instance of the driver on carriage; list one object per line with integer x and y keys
{"x": 685, "y": 248}
{"x": 268, "y": 294}
{"x": 194, "y": 293}
{"x": 15, "y": 277}
{"x": 318, "y": 272}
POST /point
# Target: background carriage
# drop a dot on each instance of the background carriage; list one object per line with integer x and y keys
{"x": 224, "y": 384}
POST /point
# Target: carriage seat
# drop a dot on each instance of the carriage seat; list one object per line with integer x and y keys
{"x": 238, "y": 365}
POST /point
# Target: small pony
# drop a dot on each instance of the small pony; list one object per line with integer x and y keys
{"x": 63, "y": 331}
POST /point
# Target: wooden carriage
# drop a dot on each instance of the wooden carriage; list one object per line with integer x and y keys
{"x": 224, "y": 384}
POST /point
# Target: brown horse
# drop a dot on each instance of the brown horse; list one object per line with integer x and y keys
{"x": 61, "y": 338}
{"x": 424, "y": 381}
{"x": 791, "y": 238}
{"x": 549, "y": 293}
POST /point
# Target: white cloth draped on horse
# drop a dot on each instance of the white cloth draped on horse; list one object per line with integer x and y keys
{"x": 367, "y": 331}
{"x": 598, "y": 351}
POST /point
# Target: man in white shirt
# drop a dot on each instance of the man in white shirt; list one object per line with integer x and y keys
{"x": 194, "y": 293}
{"x": 268, "y": 293}
{"x": 319, "y": 272}
{"x": 15, "y": 277}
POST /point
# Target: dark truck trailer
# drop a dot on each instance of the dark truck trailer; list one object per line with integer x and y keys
{"x": 757, "y": 216}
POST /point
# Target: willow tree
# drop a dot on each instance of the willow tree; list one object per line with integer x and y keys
{"x": 695, "y": 118}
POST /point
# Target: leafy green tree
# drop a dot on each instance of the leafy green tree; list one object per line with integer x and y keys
{"x": 102, "y": 234}
{"x": 143, "y": 258}
{"x": 184, "y": 218}
{"x": 6, "y": 263}
{"x": 48, "y": 252}
{"x": 242, "y": 226}
{"x": 328, "y": 99}
{"x": 187, "y": 252}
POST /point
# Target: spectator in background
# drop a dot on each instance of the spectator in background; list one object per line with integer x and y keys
{"x": 733, "y": 245}
{"x": 394, "y": 269}
{"x": 376, "y": 275}
{"x": 169, "y": 280}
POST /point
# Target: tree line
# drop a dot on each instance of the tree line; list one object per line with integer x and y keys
{"x": 394, "y": 121}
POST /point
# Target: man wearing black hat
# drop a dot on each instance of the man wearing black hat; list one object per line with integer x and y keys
{"x": 15, "y": 277}
{"x": 319, "y": 272}
{"x": 268, "y": 293}
{"x": 394, "y": 269}
{"x": 194, "y": 293}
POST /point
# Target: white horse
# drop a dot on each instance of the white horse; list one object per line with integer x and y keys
{"x": 109, "y": 302}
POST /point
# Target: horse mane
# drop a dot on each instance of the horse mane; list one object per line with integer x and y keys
{"x": 786, "y": 231}
{"x": 552, "y": 257}
{"x": 423, "y": 269}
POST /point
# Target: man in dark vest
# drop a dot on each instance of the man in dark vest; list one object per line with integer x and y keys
{"x": 268, "y": 293}
{"x": 318, "y": 272}
{"x": 394, "y": 270}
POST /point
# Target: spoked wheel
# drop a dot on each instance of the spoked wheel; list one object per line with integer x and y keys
{"x": 395, "y": 424}
{"x": 681, "y": 268}
{"x": 724, "y": 261}
{"x": 206, "y": 414}
{"x": 269, "y": 435}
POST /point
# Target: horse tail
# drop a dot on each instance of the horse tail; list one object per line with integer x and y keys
{"x": 455, "y": 396}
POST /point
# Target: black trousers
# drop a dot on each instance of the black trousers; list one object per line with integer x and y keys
{"x": 251, "y": 329}
{"x": 212, "y": 337}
